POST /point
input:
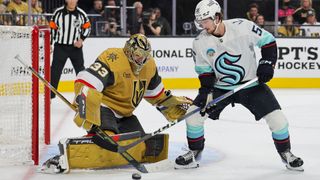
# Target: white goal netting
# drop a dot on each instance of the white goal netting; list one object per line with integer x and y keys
{"x": 18, "y": 106}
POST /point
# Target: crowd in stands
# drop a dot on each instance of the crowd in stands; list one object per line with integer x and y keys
{"x": 147, "y": 21}
{"x": 296, "y": 17}
{"x": 293, "y": 21}
{"x": 14, "y": 12}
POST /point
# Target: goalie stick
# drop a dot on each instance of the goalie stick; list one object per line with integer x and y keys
{"x": 98, "y": 130}
{"x": 170, "y": 124}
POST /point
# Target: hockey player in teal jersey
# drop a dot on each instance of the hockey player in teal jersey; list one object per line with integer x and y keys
{"x": 224, "y": 59}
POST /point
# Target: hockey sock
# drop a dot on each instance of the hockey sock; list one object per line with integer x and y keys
{"x": 196, "y": 143}
{"x": 282, "y": 145}
{"x": 281, "y": 139}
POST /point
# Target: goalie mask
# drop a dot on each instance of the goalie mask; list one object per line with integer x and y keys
{"x": 137, "y": 49}
{"x": 206, "y": 9}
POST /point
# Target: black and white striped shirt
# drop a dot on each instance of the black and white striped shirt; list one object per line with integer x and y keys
{"x": 68, "y": 27}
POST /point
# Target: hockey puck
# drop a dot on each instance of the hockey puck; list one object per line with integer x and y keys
{"x": 136, "y": 176}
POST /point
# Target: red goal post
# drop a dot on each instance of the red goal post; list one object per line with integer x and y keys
{"x": 24, "y": 102}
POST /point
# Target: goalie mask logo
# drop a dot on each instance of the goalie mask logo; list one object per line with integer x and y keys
{"x": 225, "y": 64}
{"x": 139, "y": 88}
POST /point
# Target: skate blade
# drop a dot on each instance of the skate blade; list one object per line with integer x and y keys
{"x": 46, "y": 170}
{"x": 299, "y": 169}
{"x": 51, "y": 170}
{"x": 189, "y": 166}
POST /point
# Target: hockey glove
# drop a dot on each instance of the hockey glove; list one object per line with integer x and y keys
{"x": 265, "y": 71}
{"x": 207, "y": 81}
{"x": 202, "y": 99}
{"x": 173, "y": 107}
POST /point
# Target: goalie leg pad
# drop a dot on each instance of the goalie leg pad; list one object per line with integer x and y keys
{"x": 83, "y": 153}
{"x": 64, "y": 156}
{"x": 116, "y": 137}
{"x": 156, "y": 148}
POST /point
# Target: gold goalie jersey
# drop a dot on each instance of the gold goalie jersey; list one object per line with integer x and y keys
{"x": 122, "y": 90}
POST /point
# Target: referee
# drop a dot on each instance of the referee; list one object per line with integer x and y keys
{"x": 70, "y": 26}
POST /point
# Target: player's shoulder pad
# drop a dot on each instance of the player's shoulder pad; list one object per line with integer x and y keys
{"x": 201, "y": 34}
{"x": 238, "y": 22}
{"x": 151, "y": 63}
{"x": 200, "y": 38}
{"x": 111, "y": 55}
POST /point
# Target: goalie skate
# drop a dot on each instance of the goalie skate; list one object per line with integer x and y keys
{"x": 292, "y": 162}
{"x": 53, "y": 165}
{"x": 59, "y": 163}
{"x": 188, "y": 160}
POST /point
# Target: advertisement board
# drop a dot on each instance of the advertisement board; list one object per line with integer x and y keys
{"x": 298, "y": 60}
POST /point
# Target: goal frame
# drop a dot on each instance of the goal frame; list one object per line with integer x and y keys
{"x": 35, "y": 90}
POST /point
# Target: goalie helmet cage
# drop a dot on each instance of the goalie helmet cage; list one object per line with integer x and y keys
{"x": 24, "y": 102}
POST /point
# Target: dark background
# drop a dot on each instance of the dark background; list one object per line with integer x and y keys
{"x": 185, "y": 8}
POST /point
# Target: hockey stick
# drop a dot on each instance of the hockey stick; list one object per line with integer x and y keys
{"x": 170, "y": 124}
{"x": 99, "y": 131}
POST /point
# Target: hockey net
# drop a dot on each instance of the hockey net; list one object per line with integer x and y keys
{"x": 24, "y": 102}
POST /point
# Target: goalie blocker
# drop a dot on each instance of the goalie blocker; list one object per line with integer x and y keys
{"x": 83, "y": 153}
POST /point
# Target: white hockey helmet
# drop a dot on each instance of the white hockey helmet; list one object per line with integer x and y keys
{"x": 206, "y": 9}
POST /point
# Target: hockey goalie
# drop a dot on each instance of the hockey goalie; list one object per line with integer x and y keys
{"x": 106, "y": 95}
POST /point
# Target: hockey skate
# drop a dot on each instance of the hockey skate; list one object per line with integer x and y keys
{"x": 54, "y": 165}
{"x": 59, "y": 163}
{"x": 188, "y": 160}
{"x": 292, "y": 162}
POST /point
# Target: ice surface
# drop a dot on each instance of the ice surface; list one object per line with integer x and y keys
{"x": 237, "y": 147}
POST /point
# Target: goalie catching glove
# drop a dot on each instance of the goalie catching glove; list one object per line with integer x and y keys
{"x": 88, "y": 101}
{"x": 172, "y": 107}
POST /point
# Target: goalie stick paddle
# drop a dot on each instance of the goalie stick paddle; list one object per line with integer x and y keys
{"x": 170, "y": 124}
{"x": 99, "y": 131}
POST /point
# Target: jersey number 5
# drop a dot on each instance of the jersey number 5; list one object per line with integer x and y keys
{"x": 257, "y": 30}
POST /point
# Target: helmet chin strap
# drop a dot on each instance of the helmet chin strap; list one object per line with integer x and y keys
{"x": 217, "y": 26}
